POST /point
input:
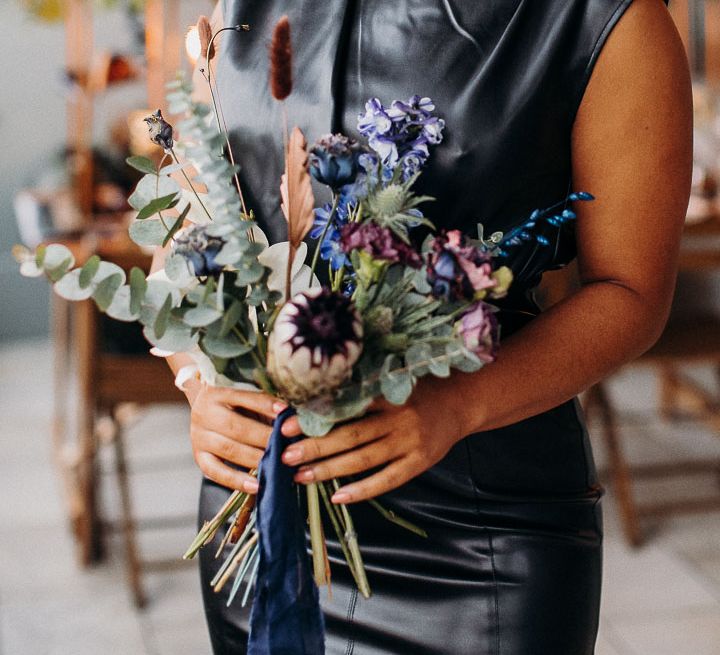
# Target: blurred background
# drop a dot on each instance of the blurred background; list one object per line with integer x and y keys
{"x": 97, "y": 482}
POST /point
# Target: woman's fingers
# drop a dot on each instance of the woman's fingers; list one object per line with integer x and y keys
{"x": 390, "y": 477}
{"x": 234, "y": 425}
{"x": 254, "y": 401}
{"x": 227, "y": 449}
{"x": 337, "y": 441}
{"x": 216, "y": 470}
{"x": 351, "y": 462}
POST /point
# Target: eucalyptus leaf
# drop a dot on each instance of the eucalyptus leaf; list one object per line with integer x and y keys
{"x": 396, "y": 385}
{"x": 157, "y": 205}
{"x": 105, "y": 290}
{"x": 138, "y": 286}
{"x": 178, "y": 337}
{"x": 151, "y": 187}
{"x": 87, "y": 272}
{"x": 176, "y": 225}
{"x": 231, "y": 317}
{"x": 417, "y": 357}
{"x": 148, "y": 232}
{"x": 312, "y": 424}
{"x": 68, "y": 287}
{"x": 173, "y": 168}
{"x": 201, "y": 316}
{"x": 226, "y": 347}
{"x": 177, "y": 269}
{"x": 142, "y": 164}
{"x": 440, "y": 366}
{"x": 55, "y": 255}
{"x": 161, "y": 321}
{"x": 119, "y": 308}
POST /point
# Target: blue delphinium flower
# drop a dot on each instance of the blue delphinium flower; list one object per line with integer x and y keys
{"x": 334, "y": 160}
{"x": 322, "y": 216}
{"x": 331, "y": 250}
{"x": 400, "y": 134}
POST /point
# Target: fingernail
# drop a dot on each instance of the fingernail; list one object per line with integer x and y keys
{"x": 251, "y": 486}
{"x": 279, "y": 407}
{"x": 292, "y": 456}
{"x": 305, "y": 475}
{"x": 340, "y": 497}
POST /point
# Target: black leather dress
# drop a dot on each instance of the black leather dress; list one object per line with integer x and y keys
{"x": 512, "y": 564}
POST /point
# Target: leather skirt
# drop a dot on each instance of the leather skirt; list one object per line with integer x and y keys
{"x": 511, "y": 565}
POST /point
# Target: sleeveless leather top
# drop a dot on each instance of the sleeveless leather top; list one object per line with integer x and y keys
{"x": 506, "y": 75}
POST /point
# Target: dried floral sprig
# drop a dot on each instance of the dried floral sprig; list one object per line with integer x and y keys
{"x": 205, "y": 35}
{"x": 298, "y": 200}
{"x": 281, "y": 78}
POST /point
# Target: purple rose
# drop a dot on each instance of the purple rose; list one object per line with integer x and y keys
{"x": 479, "y": 330}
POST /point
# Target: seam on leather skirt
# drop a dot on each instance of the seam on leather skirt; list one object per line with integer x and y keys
{"x": 495, "y": 592}
{"x": 352, "y": 604}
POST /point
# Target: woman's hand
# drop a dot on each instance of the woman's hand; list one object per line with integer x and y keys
{"x": 227, "y": 425}
{"x": 405, "y": 440}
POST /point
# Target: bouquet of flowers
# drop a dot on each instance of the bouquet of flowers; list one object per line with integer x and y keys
{"x": 394, "y": 306}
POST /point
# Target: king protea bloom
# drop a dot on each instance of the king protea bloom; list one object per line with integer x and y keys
{"x": 316, "y": 340}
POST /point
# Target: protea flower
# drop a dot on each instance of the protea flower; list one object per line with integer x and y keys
{"x": 316, "y": 340}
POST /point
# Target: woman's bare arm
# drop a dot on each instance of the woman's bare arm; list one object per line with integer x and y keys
{"x": 631, "y": 148}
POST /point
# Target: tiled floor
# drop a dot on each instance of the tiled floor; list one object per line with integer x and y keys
{"x": 661, "y": 600}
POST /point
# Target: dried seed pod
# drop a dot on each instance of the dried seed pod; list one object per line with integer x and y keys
{"x": 281, "y": 60}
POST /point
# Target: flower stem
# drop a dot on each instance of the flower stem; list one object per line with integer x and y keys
{"x": 351, "y": 537}
{"x": 190, "y": 184}
{"x": 316, "y": 254}
{"x": 316, "y": 535}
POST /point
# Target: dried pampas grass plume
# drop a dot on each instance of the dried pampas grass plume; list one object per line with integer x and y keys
{"x": 281, "y": 60}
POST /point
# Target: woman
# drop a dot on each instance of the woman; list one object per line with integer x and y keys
{"x": 539, "y": 98}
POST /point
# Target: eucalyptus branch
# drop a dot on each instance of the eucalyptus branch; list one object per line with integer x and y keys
{"x": 190, "y": 184}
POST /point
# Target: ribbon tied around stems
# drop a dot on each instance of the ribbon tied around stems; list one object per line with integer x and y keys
{"x": 285, "y": 618}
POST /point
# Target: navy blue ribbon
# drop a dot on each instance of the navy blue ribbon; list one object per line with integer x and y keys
{"x": 286, "y": 618}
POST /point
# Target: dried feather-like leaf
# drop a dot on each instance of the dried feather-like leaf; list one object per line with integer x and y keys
{"x": 281, "y": 60}
{"x": 205, "y": 34}
{"x": 298, "y": 201}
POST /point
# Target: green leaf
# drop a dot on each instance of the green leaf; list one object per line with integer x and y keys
{"x": 417, "y": 357}
{"x": 151, "y": 187}
{"x": 158, "y": 205}
{"x": 226, "y": 347}
{"x": 57, "y": 260}
{"x": 177, "y": 337}
{"x": 138, "y": 286}
{"x": 173, "y": 168}
{"x": 439, "y": 367}
{"x": 68, "y": 287}
{"x": 231, "y": 317}
{"x": 201, "y": 316}
{"x": 312, "y": 424}
{"x": 176, "y": 225}
{"x": 396, "y": 385}
{"x": 142, "y": 164}
{"x": 119, "y": 308}
{"x": 87, "y": 272}
{"x": 147, "y": 233}
{"x": 40, "y": 256}
{"x": 177, "y": 269}
{"x": 105, "y": 290}
{"x": 163, "y": 316}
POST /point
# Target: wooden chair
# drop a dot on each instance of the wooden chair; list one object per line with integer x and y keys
{"x": 687, "y": 340}
{"x": 108, "y": 381}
